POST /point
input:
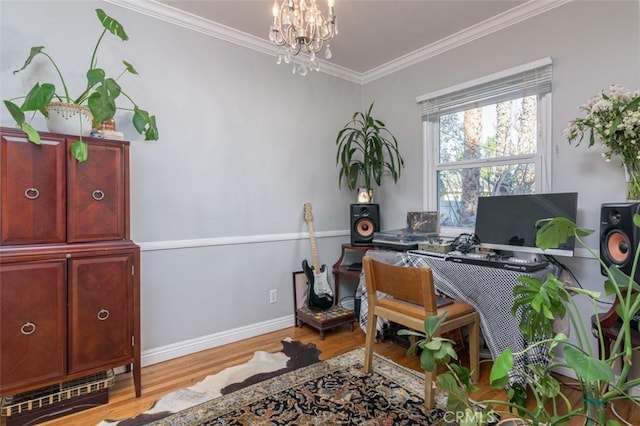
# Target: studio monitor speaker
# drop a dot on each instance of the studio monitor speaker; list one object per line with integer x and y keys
{"x": 365, "y": 220}
{"x": 619, "y": 237}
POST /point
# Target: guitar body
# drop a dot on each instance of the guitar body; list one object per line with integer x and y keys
{"x": 319, "y": 297}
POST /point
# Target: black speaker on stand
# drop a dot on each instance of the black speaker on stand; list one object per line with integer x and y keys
{"x": 365, "y": 220}
{"x": 619, "y": 237}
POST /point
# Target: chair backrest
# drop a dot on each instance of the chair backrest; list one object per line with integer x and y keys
{"x": 410, "y": 284}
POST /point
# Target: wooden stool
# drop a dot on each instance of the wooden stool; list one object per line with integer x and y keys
{"x": 325, "y": 320}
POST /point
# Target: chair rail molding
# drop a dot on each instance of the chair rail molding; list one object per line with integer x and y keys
{"x": 235, "y": 240}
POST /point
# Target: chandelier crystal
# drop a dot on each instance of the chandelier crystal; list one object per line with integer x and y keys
{"x": 299, "y": 27}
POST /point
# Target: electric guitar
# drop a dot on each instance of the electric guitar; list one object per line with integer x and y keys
{"x": 320, "y": 295}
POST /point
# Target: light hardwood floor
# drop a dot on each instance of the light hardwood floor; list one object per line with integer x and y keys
{"x": 168, "y": 376}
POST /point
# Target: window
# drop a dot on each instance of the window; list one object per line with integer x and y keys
{"x": 488, "y": 137}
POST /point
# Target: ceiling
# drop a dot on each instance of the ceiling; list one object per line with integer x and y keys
{"x": 372, "y": 33}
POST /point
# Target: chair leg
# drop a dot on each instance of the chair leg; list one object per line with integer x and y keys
{"x": 428, "y": 390}
{"x": 474, "y": 349}
{"x": 369, "y": 341}
{"x": 607, "y": 347}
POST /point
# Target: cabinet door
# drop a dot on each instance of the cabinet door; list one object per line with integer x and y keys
{"x": 33, "y": 324}
{"x": 100, "y": 312}
{"x": 32, "y": 190}
{"x": 97, "y": 202}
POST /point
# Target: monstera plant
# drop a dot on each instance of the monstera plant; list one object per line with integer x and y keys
{"x": 603, "y": 378}
{"x": 99, "y": 97}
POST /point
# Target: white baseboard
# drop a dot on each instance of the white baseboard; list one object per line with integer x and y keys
{"x": 187, "y": 347}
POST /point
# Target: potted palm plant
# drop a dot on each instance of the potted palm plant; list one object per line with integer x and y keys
{"x": 95, "y": 104}
{"x": 366, "y": 148}
{"x": 539, "y": 304}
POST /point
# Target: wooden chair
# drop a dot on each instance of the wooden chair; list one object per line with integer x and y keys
{"x": 411, "y": 299}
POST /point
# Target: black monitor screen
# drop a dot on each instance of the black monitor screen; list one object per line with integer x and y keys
{"x": 507, "y": 222}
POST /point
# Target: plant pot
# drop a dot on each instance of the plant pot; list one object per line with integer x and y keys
{"x": 365, "y": 195}
{"x": 70, "y": 119}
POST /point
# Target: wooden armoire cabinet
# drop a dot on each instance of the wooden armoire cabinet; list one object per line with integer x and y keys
{"x": 69, "y": 273}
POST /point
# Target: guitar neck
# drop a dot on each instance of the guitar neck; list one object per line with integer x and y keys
{"x": 314, "y": 249}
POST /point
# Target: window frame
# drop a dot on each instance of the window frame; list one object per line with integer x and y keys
{"x": 542, "y": 158}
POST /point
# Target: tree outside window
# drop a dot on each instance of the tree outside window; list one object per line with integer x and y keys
{"x": 484, "y": 151}
{"x": 486, "y": 137}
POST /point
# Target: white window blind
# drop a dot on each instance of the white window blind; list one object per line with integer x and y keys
{"x": 530, "y": 79}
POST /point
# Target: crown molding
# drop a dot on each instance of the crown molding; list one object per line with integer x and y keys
{"x": 196, "y": 23}
{"x": 190, "y": 21}
{"x": 496, "y": 23}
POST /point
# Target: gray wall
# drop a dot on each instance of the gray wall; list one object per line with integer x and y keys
{"x": 217, "y": 202}
{"x": 592, "y": 44}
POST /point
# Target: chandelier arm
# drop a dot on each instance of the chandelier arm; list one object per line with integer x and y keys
{"x": 278, "y": 40}
{"x": 297, "y": 50}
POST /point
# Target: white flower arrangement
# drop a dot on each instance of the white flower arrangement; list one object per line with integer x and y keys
{"x": 614, "y": 119}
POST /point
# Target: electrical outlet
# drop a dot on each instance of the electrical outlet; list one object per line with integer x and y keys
{"x": 273, "y": 296}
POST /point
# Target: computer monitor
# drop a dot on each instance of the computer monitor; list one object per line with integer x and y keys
{"x": 507, "y": 222}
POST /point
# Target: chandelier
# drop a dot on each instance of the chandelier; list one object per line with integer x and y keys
{"x": 299, "y": 27}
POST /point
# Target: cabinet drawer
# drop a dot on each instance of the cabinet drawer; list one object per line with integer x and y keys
{"x": 32, "y": 190}
{"x": 32, "y": 323}
{"x": 100, "y": 312}
{"x": 97, "y": 193}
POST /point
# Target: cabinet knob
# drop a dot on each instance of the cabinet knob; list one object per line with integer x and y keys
{"x": 31, "y": 193}
{"x": 97, "y": 195}
{"x": 28, "y": 328}
{"x": 103, "y": 314}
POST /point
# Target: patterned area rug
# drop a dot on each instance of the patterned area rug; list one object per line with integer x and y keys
{"x": 262, "y": 366}
{"x": 331, "y": 392}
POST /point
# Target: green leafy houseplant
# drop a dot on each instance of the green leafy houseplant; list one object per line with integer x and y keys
{"x": 539, "y": 304}
{"x": 456, "y": 381}
{"x": 99, "y": 95}
{"x": 366, "y": 148}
